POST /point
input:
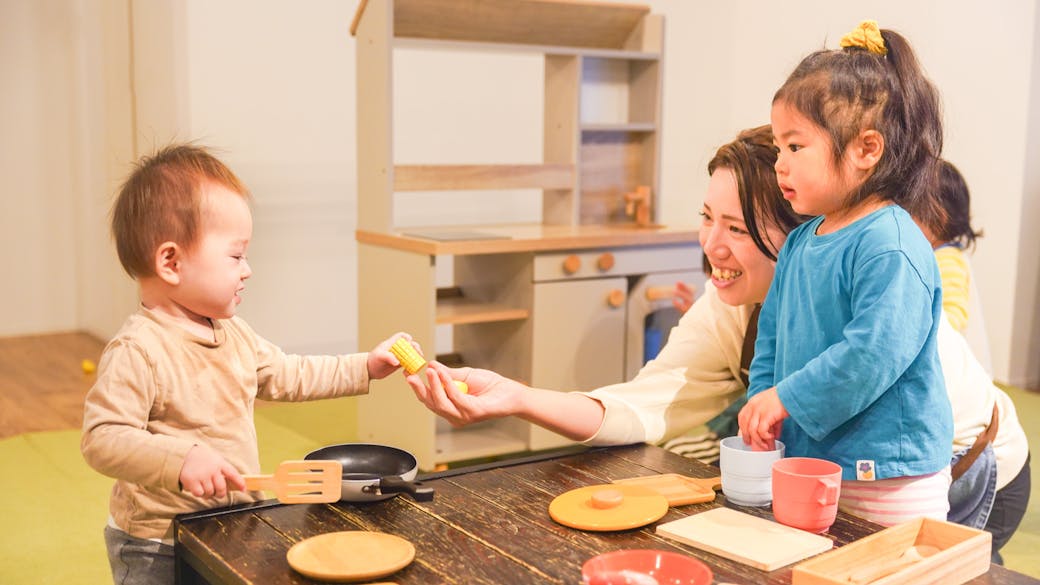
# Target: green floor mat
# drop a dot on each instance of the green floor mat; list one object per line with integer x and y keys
{"x": 55, "y": 507}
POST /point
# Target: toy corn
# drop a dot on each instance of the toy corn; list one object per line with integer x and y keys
{"x": 412, "y": 362}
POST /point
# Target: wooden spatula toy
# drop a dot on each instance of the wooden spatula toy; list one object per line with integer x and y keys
{"x": 302, "y": 482}
{"x": 412, "y": 362}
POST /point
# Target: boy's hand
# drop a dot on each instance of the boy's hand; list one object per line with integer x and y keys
{"x": 207, "y": 475}
{"x": 382, "y": 363}
{"x": 762, "y": 419}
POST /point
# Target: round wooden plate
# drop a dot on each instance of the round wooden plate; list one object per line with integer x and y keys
{"x": 578, "y": 508}
{"x": 354, "y": 555}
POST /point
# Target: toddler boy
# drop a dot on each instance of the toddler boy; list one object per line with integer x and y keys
{"x": 171, "y": 414}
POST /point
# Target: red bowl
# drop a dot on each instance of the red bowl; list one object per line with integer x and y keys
{"x": 644, "y": 567}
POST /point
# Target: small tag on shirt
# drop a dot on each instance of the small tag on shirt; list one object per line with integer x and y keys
{"x": 865, "y": 470}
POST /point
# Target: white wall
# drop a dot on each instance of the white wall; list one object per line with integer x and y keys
{"x": 271, "y": 86}
{"x": 1025, "y": 333}
{"x": 38, "y": 153}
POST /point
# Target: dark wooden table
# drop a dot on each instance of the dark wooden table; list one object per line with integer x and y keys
{"x": 485, "y": 525}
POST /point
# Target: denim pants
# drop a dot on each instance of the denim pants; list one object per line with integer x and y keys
{"x": 972, "y": 494}
{"x": 976, "y": 502}
{"x": 1009, "y": 508}
{"x": 137, "y": 561}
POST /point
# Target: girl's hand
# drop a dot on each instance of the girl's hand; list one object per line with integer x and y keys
{"x": 382, "y": 363}
{"x": 207, "y": 475}
{"x": 682, "y": 298}
{"x": 489, "y": 395}
{"x": 762, "y": 419}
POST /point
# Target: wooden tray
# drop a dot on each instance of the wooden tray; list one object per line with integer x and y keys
{"x": 964, "y": 553}
{"x": 679, "y": 490}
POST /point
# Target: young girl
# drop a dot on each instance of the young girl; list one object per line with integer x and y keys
{"x": 846, "y": 366}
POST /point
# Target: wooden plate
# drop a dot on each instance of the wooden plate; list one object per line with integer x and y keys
{"x": 355, "y": 555}
{"x": 634, "y": 506}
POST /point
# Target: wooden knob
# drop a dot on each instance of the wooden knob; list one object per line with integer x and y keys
{"x": 616, "y": 298}
{"x": 606, "y": 499}
{"x": 571, "y": 264}
{"x": 656, "y": 293}
{"x": 605, "y": 261}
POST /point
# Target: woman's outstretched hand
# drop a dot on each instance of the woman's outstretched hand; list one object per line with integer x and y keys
{"x": 490, "y": 395}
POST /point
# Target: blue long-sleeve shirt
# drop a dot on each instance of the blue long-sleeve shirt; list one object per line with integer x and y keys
{"x": 847, "y": 334}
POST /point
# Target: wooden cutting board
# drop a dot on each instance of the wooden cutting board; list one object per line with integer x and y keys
{"x": 744, "y": 538}
{"x": 679, "y": 490}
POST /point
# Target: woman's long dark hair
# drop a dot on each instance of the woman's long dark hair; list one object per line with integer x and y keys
{"x": 752, "y": 158}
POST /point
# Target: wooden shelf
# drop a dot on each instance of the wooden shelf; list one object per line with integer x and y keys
{"x": 504, "y": 239}
{"x": 622, "y": 127}
{"x": 476, "y": 442}
{"x": 523, "y": 22}
{"x": 463, "y": 311}
{"x": 555, "y": 50}
{"x": 601, "y": 139}
{"x": 464, "y": 177}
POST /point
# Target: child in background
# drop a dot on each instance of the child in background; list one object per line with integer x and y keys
{"x": 171, "y": 414}
{"x": 846, "y": 366}
{"x": 951, "y": 240}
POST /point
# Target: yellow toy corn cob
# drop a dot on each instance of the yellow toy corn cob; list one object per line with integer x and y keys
{"x": 410, "y": 359}
{"x": 412, "y": 362}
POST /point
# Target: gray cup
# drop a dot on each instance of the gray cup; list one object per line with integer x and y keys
{"x": 747, "y": 476}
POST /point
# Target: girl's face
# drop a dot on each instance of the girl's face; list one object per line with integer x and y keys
{"x": 740, "y": 271}
{"x": 213, "y": 272}
{"x": 805, "y": 166}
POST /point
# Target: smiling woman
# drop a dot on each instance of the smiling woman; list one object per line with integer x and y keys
{"x": 698, "y": 373}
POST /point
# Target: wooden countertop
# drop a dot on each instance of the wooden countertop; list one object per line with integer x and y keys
{"x": 503, "y": 239}
{"x": 487, "y": 524}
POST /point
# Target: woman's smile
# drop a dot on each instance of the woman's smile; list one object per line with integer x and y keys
{"x": 723, "y": 276}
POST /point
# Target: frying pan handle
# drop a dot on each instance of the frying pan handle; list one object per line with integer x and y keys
{"x": 393, "y": 485}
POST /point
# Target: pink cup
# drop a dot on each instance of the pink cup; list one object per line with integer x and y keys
{"x": 805, "y": 493}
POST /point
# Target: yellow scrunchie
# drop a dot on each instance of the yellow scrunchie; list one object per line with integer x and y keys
{"x": 866, "y": 36}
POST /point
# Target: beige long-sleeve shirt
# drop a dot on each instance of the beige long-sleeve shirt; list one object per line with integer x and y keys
{"x": 693, "y": 379}
{"x": 161, "y": 390}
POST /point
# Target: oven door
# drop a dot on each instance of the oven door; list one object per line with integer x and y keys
{"x": 651, "y": 316}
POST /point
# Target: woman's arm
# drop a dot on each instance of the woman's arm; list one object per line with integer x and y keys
{"x": 571, "y": 414}
{"x": 694, "y": 378}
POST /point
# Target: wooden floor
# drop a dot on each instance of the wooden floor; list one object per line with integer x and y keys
{"x": 42, "y": 382}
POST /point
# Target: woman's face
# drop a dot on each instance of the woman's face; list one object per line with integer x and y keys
{"x": 740, "y": 271}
